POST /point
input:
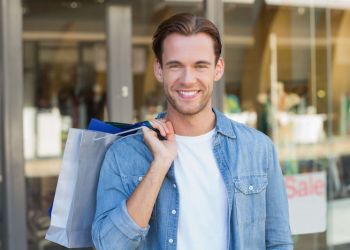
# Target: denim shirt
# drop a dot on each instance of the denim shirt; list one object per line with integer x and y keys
{"x": 247, "y": 160}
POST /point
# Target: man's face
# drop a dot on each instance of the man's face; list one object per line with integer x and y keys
{"x": 188, "y": 72}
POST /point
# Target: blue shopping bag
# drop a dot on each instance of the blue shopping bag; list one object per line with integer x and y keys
{"x": 97, "y": 125}
{"x": 122, "y": 128}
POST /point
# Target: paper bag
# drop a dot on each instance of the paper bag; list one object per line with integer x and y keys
{"x": 74, "y": 203}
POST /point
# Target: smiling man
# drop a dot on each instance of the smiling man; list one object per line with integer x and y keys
{"x": 212, "y": 184}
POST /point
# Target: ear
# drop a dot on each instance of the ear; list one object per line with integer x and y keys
{"x": 219, "y": 69}
{"x": 158, "y": 71}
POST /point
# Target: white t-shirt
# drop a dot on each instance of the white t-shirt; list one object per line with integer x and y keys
{"x": 203, "y": 215}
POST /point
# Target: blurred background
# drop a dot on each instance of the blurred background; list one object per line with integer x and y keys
{"x": 287, "y": 74}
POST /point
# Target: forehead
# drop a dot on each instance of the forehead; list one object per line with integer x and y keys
{"x": 198, "y": 46}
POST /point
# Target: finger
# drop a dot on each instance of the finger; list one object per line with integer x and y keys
{"x": 162, "y": 123}
{"x": 158, "y": 125}
{"x": 170, "y": 127}
{"x": 146, "y": 131}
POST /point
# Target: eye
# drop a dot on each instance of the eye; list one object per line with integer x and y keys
{"x": 201, "y": 66}
{"x": 174, "y": 66}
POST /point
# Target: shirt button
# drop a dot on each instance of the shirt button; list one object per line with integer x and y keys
{"x": 171, "y": 241}
{"x": 251, "y": 187}
{"x": 174, "y": 185}
{"x": 173, "y": 211}
{"x": 140, "y": 178}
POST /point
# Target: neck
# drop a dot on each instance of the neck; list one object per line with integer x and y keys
{"x": 192, "y": 125}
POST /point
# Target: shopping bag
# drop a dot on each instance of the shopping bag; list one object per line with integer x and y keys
{"x": 74, "y": 203}
{"x": 98, "y": 125}
{"x": 118, "y": 127}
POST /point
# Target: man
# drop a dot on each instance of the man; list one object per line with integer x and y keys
{"x": 212, "y": 184}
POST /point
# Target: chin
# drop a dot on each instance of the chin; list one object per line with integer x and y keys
{"x": 189, "y": 111}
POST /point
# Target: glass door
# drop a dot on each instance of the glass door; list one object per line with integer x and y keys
{"x": 338, "y": 103}
{"x": 64, "y": 86}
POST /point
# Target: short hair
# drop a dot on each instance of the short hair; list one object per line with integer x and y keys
{"x": 185, "y": 24}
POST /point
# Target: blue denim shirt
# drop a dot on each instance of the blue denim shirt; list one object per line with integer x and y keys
{"x": 247, "y": 160}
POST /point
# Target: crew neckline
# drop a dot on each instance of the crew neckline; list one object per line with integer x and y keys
{"x": 195, "y": 139}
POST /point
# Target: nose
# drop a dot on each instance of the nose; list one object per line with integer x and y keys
{"x": 188, "y": 76}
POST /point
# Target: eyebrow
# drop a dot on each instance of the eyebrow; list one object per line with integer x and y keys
{"x": 177, "y": 62}
{"x": 203, "y": 62}
{"x": 172, "y": 62}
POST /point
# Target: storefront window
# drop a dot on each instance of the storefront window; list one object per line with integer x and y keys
{"x": 64, "y": 86}
{"x": 339, "y": 125}
{"x": 287, "y": 77}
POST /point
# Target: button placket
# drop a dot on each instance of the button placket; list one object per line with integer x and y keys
{"x": 172, "y": 212}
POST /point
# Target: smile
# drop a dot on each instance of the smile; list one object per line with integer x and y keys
{"x": 188, "y": 93}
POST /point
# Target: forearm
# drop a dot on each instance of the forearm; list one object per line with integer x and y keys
{"x": 141, "y": 202}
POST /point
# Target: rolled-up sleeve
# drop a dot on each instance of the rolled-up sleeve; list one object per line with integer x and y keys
{"x": 278, "y": 235}
{"x": 113, "y": 228}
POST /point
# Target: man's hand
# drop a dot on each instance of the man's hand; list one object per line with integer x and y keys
{"x": 164, "y": 151}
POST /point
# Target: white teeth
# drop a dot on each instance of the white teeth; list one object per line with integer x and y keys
{"x": 188, "y": 93}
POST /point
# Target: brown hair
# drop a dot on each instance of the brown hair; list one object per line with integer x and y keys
{"x": 185, "y": 24}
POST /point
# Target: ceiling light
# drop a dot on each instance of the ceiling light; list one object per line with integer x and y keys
{"x": 25, "y": 10}
{"x": 301, "y": 11}
{"x": 321, "y": 93}
{"x": 73, "y": 5}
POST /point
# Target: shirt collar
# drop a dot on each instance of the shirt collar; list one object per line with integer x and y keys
{"x": 223, "y": 124}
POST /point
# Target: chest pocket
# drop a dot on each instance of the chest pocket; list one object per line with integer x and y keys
{"x": 250, "y": 198}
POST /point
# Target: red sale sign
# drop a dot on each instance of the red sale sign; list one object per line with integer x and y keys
{"x": 307, "y": 202}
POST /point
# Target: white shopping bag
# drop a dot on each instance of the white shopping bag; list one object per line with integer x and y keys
{"x": 74, "y": 203}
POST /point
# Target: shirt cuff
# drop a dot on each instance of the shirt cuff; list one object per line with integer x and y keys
{"x": 123, "y": 221}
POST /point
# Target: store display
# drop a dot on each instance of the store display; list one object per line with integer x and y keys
{"x": 29, "y": 132}
{"x": 49, "y": 137}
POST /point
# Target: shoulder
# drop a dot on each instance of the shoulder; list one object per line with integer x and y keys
{"x": 128, "y": 142}
{"x": 241, "y": 132}
{"x": 130, "y": 154}
{"x": 251, "y": 143}
{"x": 248, "y": 134}
{"x": 254, "y": 150}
